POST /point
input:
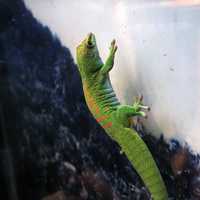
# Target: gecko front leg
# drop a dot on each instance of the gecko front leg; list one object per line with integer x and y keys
{"x": 110, "y": 59}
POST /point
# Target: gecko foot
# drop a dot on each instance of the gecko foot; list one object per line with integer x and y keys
{"x": 139, "y": 107}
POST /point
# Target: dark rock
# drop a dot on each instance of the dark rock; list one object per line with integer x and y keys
{"x": 195, "y": 186}
{"x": 179, "y": 160}
{"x": 60, "y": 195}
{"x": 97, "y": 184}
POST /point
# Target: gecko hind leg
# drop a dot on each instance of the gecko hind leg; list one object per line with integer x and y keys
{"x": 125, "y": 112}
{"x": 138, "y": 105}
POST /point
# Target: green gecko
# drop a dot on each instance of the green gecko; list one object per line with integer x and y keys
{"x": 114, "y": 117}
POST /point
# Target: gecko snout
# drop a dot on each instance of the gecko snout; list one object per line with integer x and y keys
{"x": 90, "y": 40}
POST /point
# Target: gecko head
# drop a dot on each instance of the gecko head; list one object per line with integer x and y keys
{"x": 88, "y": 55}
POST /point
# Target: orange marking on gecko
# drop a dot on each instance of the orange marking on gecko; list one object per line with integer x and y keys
{"x": 91, "y": 103}
{"x": 90, "y": 100}
{"x": 102, "y": 118}
{"x": 107, "y": 125}
{"x": 97, "y": 110}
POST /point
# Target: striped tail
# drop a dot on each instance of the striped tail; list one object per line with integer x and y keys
{"x": 143, "y": 162}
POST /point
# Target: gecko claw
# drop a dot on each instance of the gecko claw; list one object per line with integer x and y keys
{"x": 145, "y": 107}
{"x": 141, "y": 97}
{"x": 139, "y": 107}
{"x": 113, "y": 47}
{"x": 113, "y": 42}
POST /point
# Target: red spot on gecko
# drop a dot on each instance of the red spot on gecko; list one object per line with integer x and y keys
{"x": 107, "y": 125}
{"x": 102, "y": 118}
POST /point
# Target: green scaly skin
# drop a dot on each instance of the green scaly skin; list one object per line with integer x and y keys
{"x": 114, "y": 117}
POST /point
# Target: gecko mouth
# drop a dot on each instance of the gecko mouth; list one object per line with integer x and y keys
{"x": 90, "y": 40}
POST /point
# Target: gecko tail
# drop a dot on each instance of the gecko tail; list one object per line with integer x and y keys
{"x": 139, "y": 155}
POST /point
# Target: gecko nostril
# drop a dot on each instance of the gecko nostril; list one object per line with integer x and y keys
{"x": 90, "y": 44}
{"x": 90, "y": 40}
